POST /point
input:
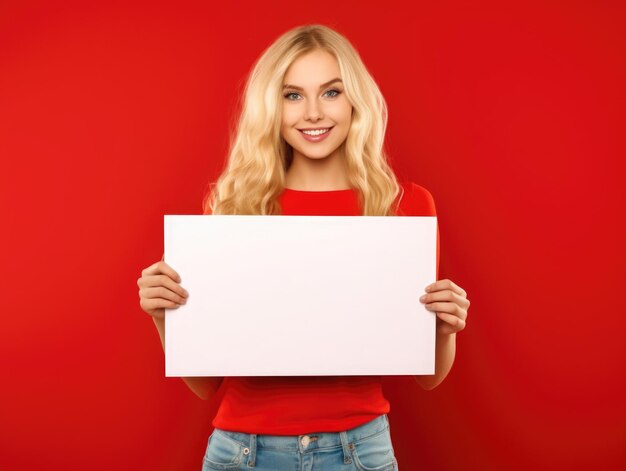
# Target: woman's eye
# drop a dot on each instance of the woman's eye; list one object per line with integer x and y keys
{"x": 337, "y": 92}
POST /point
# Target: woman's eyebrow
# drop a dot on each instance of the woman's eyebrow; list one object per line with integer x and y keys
{"x": 321, "y": 86}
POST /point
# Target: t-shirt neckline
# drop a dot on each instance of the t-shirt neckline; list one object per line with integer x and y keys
{"x": 319, "y": 191}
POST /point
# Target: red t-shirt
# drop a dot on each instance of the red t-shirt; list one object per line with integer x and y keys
{"x": 298, "y": 405}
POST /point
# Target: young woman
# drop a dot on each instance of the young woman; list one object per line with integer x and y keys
{"x": 309, "y": 141}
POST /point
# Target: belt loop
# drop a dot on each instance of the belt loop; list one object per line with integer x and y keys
{"x": 252, "y": 457}
{"x": 347, "y": 459}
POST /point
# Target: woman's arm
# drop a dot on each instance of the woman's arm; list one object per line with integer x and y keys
{"x": 203, "y": 386}
{"x": 444, "y": 358}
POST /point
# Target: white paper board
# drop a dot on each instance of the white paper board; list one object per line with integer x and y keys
{"x": 300, "y": 295}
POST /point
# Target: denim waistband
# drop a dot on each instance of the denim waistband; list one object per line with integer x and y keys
{"x": 313, "y": 441}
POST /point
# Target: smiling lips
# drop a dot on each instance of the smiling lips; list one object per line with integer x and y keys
{"x": 315, "y": 134}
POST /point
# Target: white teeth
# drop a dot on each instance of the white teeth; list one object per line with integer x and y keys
{"x": 316, "y": 133}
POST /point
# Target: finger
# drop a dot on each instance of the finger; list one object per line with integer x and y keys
{"x": 156, "y": 281}
{"x": 152, "y": 304}
{"x": 446, "y": 284}
{"x": 450, "y": 308}
{"x": 151, "y": 281}
{"x": 445, "y": 295}
{"x": 451, "y": 319}
{"x": 161, "y": 267}
{"x": 164, "y": 293}
{"x": 165, "y": 282}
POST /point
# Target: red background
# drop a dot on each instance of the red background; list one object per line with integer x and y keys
{"x": 112, "y": 115}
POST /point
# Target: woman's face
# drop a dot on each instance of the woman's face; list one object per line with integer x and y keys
{"x": 312, "y": 100}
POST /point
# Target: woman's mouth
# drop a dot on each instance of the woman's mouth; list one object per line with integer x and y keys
{"x": 316, "y": 134}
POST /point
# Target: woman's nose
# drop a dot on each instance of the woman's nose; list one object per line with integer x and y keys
{"x": 313, "y": 110}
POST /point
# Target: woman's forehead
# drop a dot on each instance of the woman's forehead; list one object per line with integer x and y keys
{"x": 315, "y": 67}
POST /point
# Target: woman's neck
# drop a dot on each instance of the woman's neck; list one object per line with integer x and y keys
{"x": 325, "y": 174}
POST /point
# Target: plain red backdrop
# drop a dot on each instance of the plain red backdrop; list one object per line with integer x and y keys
{"x": 113, "y": 115}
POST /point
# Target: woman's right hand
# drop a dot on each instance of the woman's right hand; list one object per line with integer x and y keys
{"x": 159, "y": 288}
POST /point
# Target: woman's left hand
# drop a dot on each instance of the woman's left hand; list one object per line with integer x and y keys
{"x": 450, "y": 304}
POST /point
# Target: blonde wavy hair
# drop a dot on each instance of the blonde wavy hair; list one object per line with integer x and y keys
{"x": 259, "y": 157}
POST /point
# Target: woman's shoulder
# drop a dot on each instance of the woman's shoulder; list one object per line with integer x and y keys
{"x": 416, "y": 200}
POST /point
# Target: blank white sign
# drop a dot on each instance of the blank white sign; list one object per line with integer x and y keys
{"x": 300, "y": 295}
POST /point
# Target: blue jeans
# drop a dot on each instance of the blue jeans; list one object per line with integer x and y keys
{"x": 364, "y": 448}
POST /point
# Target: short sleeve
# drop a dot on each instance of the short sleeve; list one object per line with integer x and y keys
{"x": 418, "y": 201}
